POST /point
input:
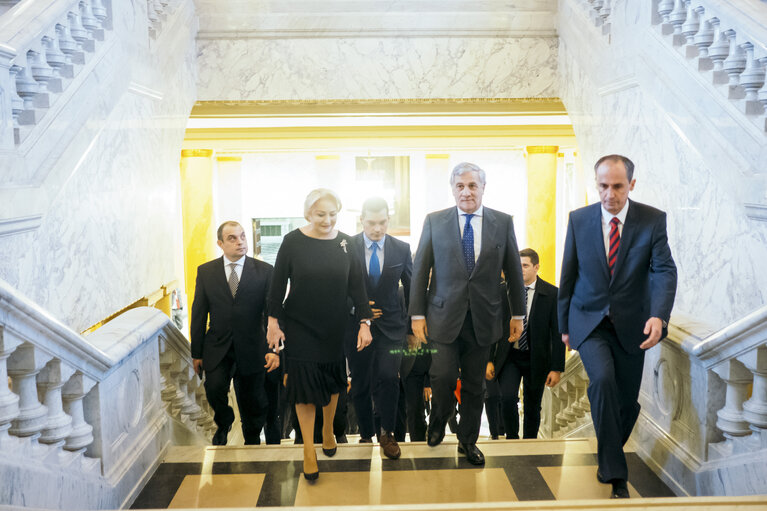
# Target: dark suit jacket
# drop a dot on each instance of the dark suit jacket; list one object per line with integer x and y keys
{"x": 547, "y": 352}
{"x": 398, "y": 267}
{"x": 444, "y": 297}
{"x": 237, "y": 322}
{"x": 643, "y": 284}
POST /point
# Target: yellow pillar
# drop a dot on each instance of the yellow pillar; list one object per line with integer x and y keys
{"x": 542, "y": 207}
{"x": 197, "y": 212}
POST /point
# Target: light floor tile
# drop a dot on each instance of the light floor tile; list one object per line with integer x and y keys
{"x": 577, "y": 483}
{"x": 218, "y": 490}
{"x": 406, "y": 487}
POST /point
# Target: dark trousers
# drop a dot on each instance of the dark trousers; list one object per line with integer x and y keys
{"x": 493, "y": 407}
{"x": 251, "y": 398}
{"x": 516, "y": 370}
{"x": 375, "y": 381}
{"x": 415, "y": 404}
{"x": 614, "y": 380}
{"x": 463, "y": 357}
{"x": 273, "y": 421}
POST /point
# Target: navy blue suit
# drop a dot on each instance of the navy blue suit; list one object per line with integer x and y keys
{"x": 605, "y": 316}
{"x": 374, "y": 370}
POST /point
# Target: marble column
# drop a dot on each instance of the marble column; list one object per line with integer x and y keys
{"x": 197, "y": 210}
{"x": 542, "y": 207}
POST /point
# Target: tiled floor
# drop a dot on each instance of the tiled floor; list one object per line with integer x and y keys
{"x": 524, "y": 470}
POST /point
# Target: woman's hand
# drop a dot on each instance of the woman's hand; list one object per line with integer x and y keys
{"x": 364, "y": 337}
{"x": 274, "y": 334}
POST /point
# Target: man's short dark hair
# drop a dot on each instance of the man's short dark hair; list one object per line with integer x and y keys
{"x": 374, "y": 205}
{"x": 532, "y": 254}
{"x": 617, "y": 158}
{"x": 228, "y": 223}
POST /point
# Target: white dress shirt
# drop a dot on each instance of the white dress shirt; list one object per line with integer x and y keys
{"x": 530, "y": 294}
{"x": 369, "y": 251}
{"x": 476, "y": 226}
{"x": 239, "y": 264}
{"x": 606, "y": 217}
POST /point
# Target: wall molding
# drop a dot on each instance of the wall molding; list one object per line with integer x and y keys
{"x": 12, "y": 226}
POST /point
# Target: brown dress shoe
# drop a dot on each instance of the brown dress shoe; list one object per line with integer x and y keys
{"x": 389, "y": 446}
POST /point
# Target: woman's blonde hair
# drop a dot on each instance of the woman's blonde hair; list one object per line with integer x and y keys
{"x": 318, "y": 195}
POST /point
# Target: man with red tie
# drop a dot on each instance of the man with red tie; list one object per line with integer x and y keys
{"x": 616, "y": 291}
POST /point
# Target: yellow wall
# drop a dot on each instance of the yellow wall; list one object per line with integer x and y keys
{"x": 542, "y": 207}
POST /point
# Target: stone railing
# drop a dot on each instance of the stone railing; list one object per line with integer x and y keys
{"x": 565, "y": 407}
{"x": 45, "y": 45}
{"x": 599, "y": 12}
{"x": 727, "y": 43}
{"x": 158, "y": 12}
{"x": 91, "y": 416}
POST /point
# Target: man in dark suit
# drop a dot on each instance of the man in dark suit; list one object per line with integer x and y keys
{"x": 537, "y": 358}
{"x": 231, "y": 292}
{"x": 375, "y": 370}
{"x": 616, "y": 292}
{"x": 454, "y": 301}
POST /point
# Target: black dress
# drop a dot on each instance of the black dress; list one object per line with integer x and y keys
{"x": 314, "y": 316}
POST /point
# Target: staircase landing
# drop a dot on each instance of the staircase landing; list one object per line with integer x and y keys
{"x": 358, "y": 475}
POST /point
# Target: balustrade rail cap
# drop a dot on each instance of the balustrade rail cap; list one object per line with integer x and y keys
{"x": 131, "y": 329}
{"x": 27, "y": 20}
{"x": 748, "y": 331}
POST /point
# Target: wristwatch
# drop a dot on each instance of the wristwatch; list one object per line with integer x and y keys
{"x": 365, "y": 321}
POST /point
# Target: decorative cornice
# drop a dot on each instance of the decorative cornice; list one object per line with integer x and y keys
{"x": 196, "y": 153}
{"x": 756, "y": 211}
{"x": 11, "y": 226}
{"x": 542, "y": 149}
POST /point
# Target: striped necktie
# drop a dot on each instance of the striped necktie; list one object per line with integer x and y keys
{"x": 615, "y": 242}
{"x": 522, "y": 343}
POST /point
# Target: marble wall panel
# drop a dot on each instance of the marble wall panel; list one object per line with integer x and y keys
{"x": 718, "y": 250}
{"x": 111, "y": 226}
{"x": 376, "y": 68}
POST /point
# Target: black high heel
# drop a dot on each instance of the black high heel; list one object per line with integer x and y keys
{"x": 330, "y": 452}
{"x": 313, "y": 476}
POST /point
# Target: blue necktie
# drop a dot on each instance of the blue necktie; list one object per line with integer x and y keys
{"x": 375, "y": 266}
{"x": 468, "y": 243}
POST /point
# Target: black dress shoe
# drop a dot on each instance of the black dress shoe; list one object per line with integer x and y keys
{"x": 219, "y": 438}
{"x": 620, "y": 490}
{"x": 341, "y": 439}
{"x": 435, "y": 435}
{"x": 364, "y": 440}
{"x": 601, "y": 478}
{"x": 472, "y": 453}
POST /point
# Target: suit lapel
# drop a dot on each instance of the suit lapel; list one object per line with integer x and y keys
{"x": 452, "y": 230}
{"x": 489, "y": 228}
{"x": 388, "y": 257}
{"x": 627, "y": 238}
{"x": 598, "y": 241}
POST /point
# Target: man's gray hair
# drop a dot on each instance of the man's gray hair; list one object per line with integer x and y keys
{"x": 464, "y": 167}
{"x": 318, "y": 195}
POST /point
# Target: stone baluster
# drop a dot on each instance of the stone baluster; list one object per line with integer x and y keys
{"x": 42, "y": 73}
{"x": 79, "y": 33}
{"x": 664, "y": 9}
{"x": 169, "y": 391}
{"x": 90, "y": 22}
{"x": 188, "y": 404}
{"x": 691, "y": 24}
{"x": 605, "y": 12}
{"x": 57, "y": 60}
{"x": 99, "y": 11}
{"x": 58, "y": 425}
{"x": 27, "y": 88}
{"x": 76, "y": 388}
{"x": 68, "y": 45}
{"x": 730, "y": 419}
{"x": 705, "y": 36}
{"x": 678, "y": 16}
{"x": 23, "y": 366}
{"x": 720, "y": 48}
{"x": 152, "y": 12}
{"x": 17, "y": 102}
{"x": 762, "y": 94}
{"x": 755, "y": 409}
{"x": 735, "y": 62}
{"x": 9, "y": 402}
{"x": 752, "y": 79}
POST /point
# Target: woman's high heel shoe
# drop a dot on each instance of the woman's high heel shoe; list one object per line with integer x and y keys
{"x": 313, "y": 476}
{"x": 330, "y": 452}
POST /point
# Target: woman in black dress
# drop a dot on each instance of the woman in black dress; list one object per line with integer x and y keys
{"x": 318, "y": 261}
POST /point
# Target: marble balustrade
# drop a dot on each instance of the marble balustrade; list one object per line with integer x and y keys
{"x": 97, "y": 412}
{"x": 564, "y": 407}
{"x": 39, "y": 61}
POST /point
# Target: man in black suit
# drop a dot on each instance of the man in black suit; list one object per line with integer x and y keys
{"x": 454, "y": 301}
{"x": 375, "y": 370}
{"x": 231, "y": 292}
{"x": 537, "y": 358}
{"x": 616, "y": 292}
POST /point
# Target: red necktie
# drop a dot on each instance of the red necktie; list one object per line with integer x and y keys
{"x": 615, "y": 242}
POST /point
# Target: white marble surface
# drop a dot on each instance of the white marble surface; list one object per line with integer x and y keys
{"x": 691, "y": 160}
{"x": 376, "y": 68}
{"x": 111, "y": 211}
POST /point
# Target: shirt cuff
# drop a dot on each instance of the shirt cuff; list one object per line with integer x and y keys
{"x": 517, "y": 317}
{"x": 417, "y": 317}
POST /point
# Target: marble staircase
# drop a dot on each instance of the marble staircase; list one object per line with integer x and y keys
{"x": 85, "y": 421}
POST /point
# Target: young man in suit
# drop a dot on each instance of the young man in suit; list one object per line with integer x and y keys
{"x": 454, "y": 302}
{"x": 536, "y": 359}
{"x": 228, "y": 336}
{"x": 374, "y": 370}
{"x": 616, "y": 291}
